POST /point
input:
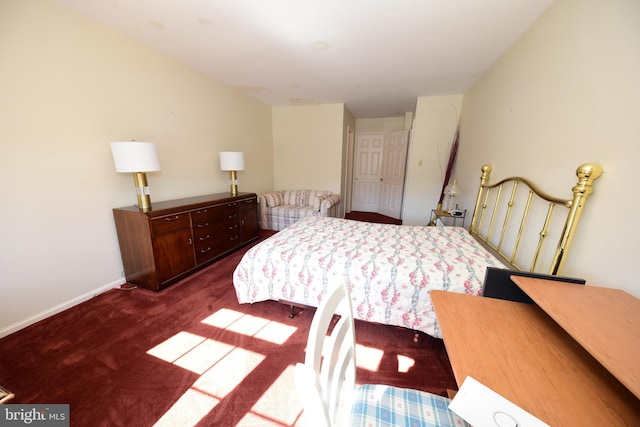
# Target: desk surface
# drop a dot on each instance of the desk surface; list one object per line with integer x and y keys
{"x": 606, "y": 322}
{"x": 521, "y": 353}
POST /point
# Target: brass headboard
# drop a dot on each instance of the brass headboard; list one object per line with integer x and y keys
{"x": 519, "y": 227}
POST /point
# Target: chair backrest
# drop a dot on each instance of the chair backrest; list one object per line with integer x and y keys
{"x": 326, "y": 380}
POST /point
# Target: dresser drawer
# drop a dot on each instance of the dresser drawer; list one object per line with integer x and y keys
{"x": 220, "y": 233}
{"x": 228, "y": 236}
{"x": 203, "y": 215}
{"x": 215, "y": 229}
{"x": 213, "y": 213}
{"x": 209, "y": 248}
{"x": 226, "y": 227}
{"x": 205, "y": 252}
{"x": 248, "y": 203}
{"x": 169, "y": 223}
{"x": 222, "y": 211}
{"x": 203, "y": 234}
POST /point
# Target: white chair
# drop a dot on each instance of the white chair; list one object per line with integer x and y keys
{"x": 326, "y": 380}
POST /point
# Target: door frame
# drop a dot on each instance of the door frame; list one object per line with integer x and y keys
{"x": 350, "y": 162}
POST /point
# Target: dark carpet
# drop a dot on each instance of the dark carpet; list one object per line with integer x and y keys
{"x": 372, "y": 217}
{"x": 191, "y": 355}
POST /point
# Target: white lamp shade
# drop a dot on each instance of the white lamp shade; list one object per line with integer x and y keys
{"x": 231, "y": 161}
{"x": 453, "y": 189}
{"x": 133, "y": 156}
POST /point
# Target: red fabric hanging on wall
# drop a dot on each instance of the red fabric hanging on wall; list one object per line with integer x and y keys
{"x": 452, "y": 161}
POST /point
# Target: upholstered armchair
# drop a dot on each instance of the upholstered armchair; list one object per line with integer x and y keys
{"x": 279, "y": 209}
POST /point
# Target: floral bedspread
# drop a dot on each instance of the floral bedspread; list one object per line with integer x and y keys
{"x": 390, "y": 269}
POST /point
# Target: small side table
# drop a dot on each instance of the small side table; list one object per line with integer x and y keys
{"x": 437, "y": 213}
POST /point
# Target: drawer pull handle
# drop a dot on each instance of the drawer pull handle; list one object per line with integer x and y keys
{"x": 173, "y": 218}
{"x": 202, "y": 211}
{"x": 233, "y": 238}
{"x": 202, "y": 251}
{"x": 232, "y": 216}
{"x": 233, "y": 227}
{"x": 190, "y": 242}
{"x": 206, "y": 224}
{"x": 205, "y": 237}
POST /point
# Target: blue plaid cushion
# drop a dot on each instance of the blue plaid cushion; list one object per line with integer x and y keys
{"x": 381, "y": 405}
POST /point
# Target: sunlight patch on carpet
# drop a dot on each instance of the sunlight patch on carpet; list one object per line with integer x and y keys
{"x": 188, "y": 410}
{"x": 222, "y": 367}
{"x": 276, "y": 332}
{"x": 175, "y": 347}
{"x": 248, "y": 325}
{"x": 225, "y": 375}
{"x": 405, "y": 363}
{"x": 368, "y": 358}
{"x": 278, "y": 405}
{"x": 223, "y": 318}
{"x": 252, "y": 326}
{"x": 204, "y": 356}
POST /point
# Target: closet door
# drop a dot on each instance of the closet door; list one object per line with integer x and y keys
{"x": 367, "y": 172}
{"x": 394, "y": 161}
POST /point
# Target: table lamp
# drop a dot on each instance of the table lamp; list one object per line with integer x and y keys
{"x": 232, "y": 161}
{"x": 452, "y": 193}
{"x": 137, "y": 158}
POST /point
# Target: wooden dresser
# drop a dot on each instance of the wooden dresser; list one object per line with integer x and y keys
{"x": 177, "y": 237}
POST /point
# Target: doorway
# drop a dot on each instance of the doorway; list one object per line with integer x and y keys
{"x": 379, "y": 171}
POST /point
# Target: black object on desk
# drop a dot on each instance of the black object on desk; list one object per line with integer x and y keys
{"x": 498, "y": 284}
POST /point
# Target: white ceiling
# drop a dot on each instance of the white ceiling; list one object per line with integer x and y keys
{"x": 375, "y": 56}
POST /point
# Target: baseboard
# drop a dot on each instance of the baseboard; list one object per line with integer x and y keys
{"x": 57, "y": 309}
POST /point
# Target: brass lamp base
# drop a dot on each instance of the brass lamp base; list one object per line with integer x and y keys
{"x": 142, "y": 190}
{"x": 234, "y": 183}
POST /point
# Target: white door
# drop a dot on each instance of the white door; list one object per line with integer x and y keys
{"x": 394, "y": 161}
{"x": 348, "y": 178}
{"x": 367, "y": 172}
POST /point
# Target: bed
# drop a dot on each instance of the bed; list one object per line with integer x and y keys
{"x": 391, "y": 269}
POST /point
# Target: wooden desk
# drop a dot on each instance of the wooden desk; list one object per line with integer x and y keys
{"x": 523, "y": 354}
{"x": 606, "y": 322}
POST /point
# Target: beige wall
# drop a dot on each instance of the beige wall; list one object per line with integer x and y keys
{"x": 567, "y": 93}
{"x": 68, "y": 87}
{"x": 433, "y": 131}
{"x": 307, "y": 147}
{"x": 382, "y": 125}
